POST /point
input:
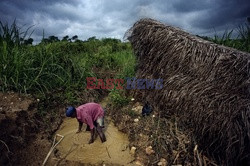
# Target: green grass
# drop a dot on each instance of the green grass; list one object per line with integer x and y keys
{"x": 40, "y": 69}
{"x": 58, "y": 66}
{"x": 118, "y": 98}
{"x": 241, "y": 42}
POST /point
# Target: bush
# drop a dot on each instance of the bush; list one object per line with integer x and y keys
{"x": 118, "y": 98}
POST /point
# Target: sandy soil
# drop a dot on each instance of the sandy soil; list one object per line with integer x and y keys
{"x": 75, "y": 147}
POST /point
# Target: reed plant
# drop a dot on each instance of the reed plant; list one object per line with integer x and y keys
{"x": 48, "y": 67}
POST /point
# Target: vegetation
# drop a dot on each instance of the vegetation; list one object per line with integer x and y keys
{"x": 205, "y": 86}
{"x": 118, "y": 98}
{"x": 54, "y": 65}
{"x": 241, "y": 42}
{"x": 56, "y": 69}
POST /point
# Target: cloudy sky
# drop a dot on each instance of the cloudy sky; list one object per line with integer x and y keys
{"x": 111, "y": 18}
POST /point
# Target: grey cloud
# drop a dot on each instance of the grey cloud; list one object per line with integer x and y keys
{"x": 102, "y": 18}
{"x": 194, "y": 5}
{"x": 224, "y": 13}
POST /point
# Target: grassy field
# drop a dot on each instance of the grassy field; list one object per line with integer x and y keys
{"x": 58, "y": 66}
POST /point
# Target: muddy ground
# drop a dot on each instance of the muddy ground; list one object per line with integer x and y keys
{"x": 28, "y": 124}
{"x": 74, "y": 147}
{"x": 27, "y": 135}
{"x": 21, "y": 131}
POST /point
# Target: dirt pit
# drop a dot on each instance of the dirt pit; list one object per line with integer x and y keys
{"x": 75, "y": 147}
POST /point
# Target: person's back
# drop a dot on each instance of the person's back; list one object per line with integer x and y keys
{"x": 89, "y": 112}
{"x": 91, "y": 109}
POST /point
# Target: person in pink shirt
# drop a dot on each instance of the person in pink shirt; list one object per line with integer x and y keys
{"x": 91, "y": 114}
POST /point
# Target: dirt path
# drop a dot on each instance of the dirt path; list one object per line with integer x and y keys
{"x": 75, "y": 147}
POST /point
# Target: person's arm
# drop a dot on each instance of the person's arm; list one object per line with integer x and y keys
{"x": 80, "y": 127}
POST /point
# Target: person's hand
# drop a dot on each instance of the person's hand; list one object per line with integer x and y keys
{"x": 91, "y": 141}
{"x": 78, "y": 131}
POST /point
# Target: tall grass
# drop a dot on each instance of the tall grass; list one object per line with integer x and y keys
{"x": 242, "y": 42}
{"x": 244, "y": 35}
{"x": 38, "y": 69}
{"x": 60, "y": 65}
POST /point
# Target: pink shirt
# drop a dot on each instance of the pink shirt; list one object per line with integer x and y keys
{"x": 88, "y": 113}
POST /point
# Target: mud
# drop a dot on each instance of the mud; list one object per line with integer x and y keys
{"x": 24, "y": 138}
{"x": 75, "y": 147}
{"x": 20, "y": 140}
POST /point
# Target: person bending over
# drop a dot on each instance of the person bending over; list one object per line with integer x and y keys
{"x": 91, "y": 114}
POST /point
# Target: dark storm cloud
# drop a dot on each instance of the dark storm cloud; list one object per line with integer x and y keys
{"x": 224, "y": 13}
{"x": 26, "y": 9}
{"x": 111, "y": 18}
{"x": 189, "y": 6}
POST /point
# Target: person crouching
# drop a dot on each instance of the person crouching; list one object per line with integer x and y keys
{"x": 91, "y": 114}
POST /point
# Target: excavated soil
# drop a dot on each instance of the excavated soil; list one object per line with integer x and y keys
{"x": 25, "y": 137}
{"x": 21, "y": 143}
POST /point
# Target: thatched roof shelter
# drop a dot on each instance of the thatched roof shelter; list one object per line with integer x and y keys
{"x": 205, "y": 84}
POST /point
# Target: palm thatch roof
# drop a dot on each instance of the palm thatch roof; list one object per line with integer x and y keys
{"x": 205, "y": 84}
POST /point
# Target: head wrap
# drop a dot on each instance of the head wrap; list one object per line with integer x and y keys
{"x": 70, "y": 110}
